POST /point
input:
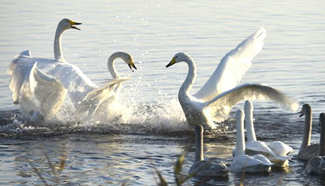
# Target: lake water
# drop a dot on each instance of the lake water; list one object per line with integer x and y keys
{"x": 152, "y": 132}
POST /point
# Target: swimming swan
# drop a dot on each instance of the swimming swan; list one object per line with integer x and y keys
{"x": 316, "y": 165}
{"x": 276, "y": 151}
{"x": 307, "y": 150}
{"x": 241, "y": 161}
{"x": 213, "y": 102}
{"x": 202, "y": 167}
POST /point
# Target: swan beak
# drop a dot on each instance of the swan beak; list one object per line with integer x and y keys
{"x": 173, "y": 61}
{"x": 301, "y": 113}
{"x": 74, "y": 23}
{"x": 131, "y": 65}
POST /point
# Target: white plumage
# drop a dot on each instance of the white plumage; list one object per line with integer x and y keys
{"x": 213, "y": 102}
{"x": 276, "y": 151}
{"x": 241, "y": 161}
{"x": 74, "y": 81}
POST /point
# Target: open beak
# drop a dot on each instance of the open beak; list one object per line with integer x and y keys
{"x": 301, "y": 113}
{"x": 75, "y": 23}
{"x": 132, "y": 66}
{"x": 173, "y": 61}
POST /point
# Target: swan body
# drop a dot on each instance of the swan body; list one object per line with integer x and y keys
{"x": 206, "y": 168}
{"x": 214, "y": 100}
{"x": 253, "y": 146}
{"x": 280, "y": 148}
{"x": 307, "y": 150}
{"x": 27, "y": 71}
{"x": 316, "y": 165}
{"x": 243, "y": 162}
{"x": 77, "y": 84}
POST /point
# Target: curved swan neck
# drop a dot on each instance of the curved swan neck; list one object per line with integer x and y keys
{"x": 308, "y": 129}
{"x": 322, "y": 134}
{"x": 249, "y": 121}
{"x": 111, "y": 63}
{"x": 190, "y": 78}
{"x": 58, "y": 55}
{"x": 199, "y": 156}
{"x": 240, "y": 139}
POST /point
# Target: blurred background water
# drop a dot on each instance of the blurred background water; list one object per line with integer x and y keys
{"x": 152, "y": 32}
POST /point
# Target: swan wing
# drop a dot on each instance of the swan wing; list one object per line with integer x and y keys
{"x": 93, "y": 100}
{"x": 233, "y": 66}
{"x": 19, "y": 70}
{"x": 47, "y": 90}
{"x": 220, "y": 106}
{"x": 280, "y": 148}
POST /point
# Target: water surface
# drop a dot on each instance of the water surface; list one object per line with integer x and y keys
{"x": 152, "y": 32}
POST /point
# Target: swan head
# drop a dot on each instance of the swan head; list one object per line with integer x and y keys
{"x": 305, "y": 110}
{"x": 179, "y": 57}
{"x": 66, "y": 24}
{"x": 248, "y": 107}
{"x": 127, "y": 58}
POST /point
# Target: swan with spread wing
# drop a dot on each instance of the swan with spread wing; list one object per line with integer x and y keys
{"x": 77, "y": 84}
{"x": 213, "y": 102}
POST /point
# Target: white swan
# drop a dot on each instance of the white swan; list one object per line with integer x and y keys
{"x": 82, "y": 92}
{"x": 21, "y": 66}
{"x": 307, "y": 150}
{"x": 206, "y": 168}
{"x": 214, "y": 101}
{"x": 316, "y": 165}
{"x": 241, "y": 161}
{"x": 276, "y": 151}
{"x": 77, "y": 84}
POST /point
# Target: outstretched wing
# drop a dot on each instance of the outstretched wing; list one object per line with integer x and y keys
{"x": 220, "y": 106}
{"x": 233, "y": 66}
{"x": 19, "y": 70}
{"x": 47, "y": 90}
{"x": 95, "y": 98}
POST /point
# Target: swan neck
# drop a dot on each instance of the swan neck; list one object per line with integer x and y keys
{"x": 199, "y": 156}
{"x": 190, "y": 78}
{"x": 249, "y": 124}
{"x": 58, "y": 55}
{"x": 111, "y": 64}
{"x": 240, "y": 139}
{"x": 307, "y": 131}
{"x": 322, "y": 136}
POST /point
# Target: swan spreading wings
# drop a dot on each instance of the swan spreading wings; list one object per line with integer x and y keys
{"x": 213, "y": 102}
{"x": 76, "y": 84}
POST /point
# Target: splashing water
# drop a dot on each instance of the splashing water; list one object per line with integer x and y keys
{"x": 123, "y": 115}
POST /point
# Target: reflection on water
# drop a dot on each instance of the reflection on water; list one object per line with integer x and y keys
{"x": 117, "y": 159}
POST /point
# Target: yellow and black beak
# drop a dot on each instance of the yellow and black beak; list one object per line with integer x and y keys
{"x": 173, "y": 61}
{"x": 75, "y": 23}
{"x": 132, "y": 66}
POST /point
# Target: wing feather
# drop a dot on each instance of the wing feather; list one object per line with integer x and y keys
{"x": 19, "y": 70}
{"x": 94, "y": 99}
{"x": 233, "y": 66}
{"x": 220, "y": 106}
{"x": 47, "y": 90}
